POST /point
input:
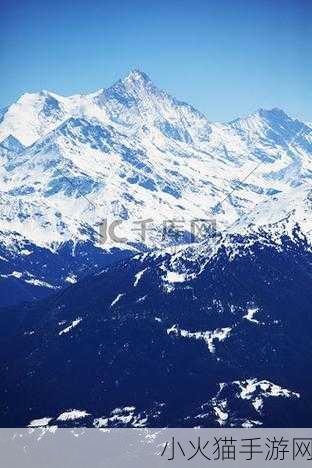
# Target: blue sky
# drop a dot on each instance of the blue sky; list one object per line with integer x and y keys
{"x": 227, "y": 58}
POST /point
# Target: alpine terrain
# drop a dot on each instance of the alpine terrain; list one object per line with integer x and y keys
{"x": 155, "y": 267}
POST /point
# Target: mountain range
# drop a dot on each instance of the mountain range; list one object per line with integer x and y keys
{"x": 222, "y": 319}
{"x": 133, "y": 152}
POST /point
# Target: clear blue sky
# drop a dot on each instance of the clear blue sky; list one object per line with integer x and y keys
{"x": 226, "y": 57}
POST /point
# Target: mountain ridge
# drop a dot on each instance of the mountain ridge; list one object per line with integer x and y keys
{"x": 85, "y": 316}
{"x": 133, "y": 152}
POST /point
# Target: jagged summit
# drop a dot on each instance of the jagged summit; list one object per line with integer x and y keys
{"x": 133, "y": 83}
{"x": 134, "y": 99}
{"x": 137, "y": 76}
{"x": 133, "y": 150}
{"x": 273, "y": 124}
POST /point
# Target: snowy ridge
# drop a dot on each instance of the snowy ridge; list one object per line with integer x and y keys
{"x": 233, "y": 307}
{"x": 132, "y": 150}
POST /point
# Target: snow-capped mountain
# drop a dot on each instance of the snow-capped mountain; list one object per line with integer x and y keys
{"x": 233, "y": 306}
{"x": 132, "y": 152}
{"x": 31, "y": 116}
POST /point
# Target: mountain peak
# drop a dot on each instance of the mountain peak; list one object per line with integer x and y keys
{"x": 136, "y": 76}
{"x": 135, "y": 82}
{"x": 272, "y": 113}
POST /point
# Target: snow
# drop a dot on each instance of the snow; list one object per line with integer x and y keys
{"x": 257, "y": 390}
{"x": 28, "y": 278}
{"x": 40, "y": 422}
{"x": 126, "y": 416}
{"x": 16, "y": 274}
{"x": 257, "y": 403}
{"x": 72, "y": 415}
{"x": 141, "y": 299}
{"x": 119, "y": 296}
{"x": 174, "y": 277}
{"x": 250, "y": 315}
{"x": 253, "y": 392}
{"x": 101, "y": 422}
{"x": 157, "y": 157}
{"x": 37, "y": 282}
{"x": 209, "y": 337}
{"x": 220, "y": 412}
{"x": 138, "y": 276}
{"x": 71, "y": 326}
{"x": 251, "y": 423}
{"x": 25, "y": 252}
{"x": 71, "y": 278}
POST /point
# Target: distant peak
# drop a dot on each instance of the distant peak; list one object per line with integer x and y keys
{"x": 135, "y": 81}
{"x": 271, "y": 117}
{"x": 264, "y": 114}
{"x": 137, "y": 75}
{"x": 271, "y": 112}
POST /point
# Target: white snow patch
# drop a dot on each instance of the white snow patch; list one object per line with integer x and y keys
{"x": 250, "y": 423}
{"x": 40, "y": 422}
{"x": 31, "y": 280}
{"x": 117, "y": 299}
{"x": 250, "y": 315}
{"x": 258, "y": 403}
{"x": 37, "y": 282}
{"x": 174, "y": 277}
{"x": 138, "y": 276}
{"x": 101, "y": 422}
{"x": 71, "y": 278}
{"x": 15, "y": 274}
{"x": 220, "y": 413}
{"x": 122, "y": 417}
{"x": 71, "y": 415}
{"x": 26, "y": 252}
{"x": 250, "y": 386}
{"x": 71, "y": 326}
{"x": 256, "y": 391}
{"x": 141, "y": 299}
{"x": 220, "y": 334}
